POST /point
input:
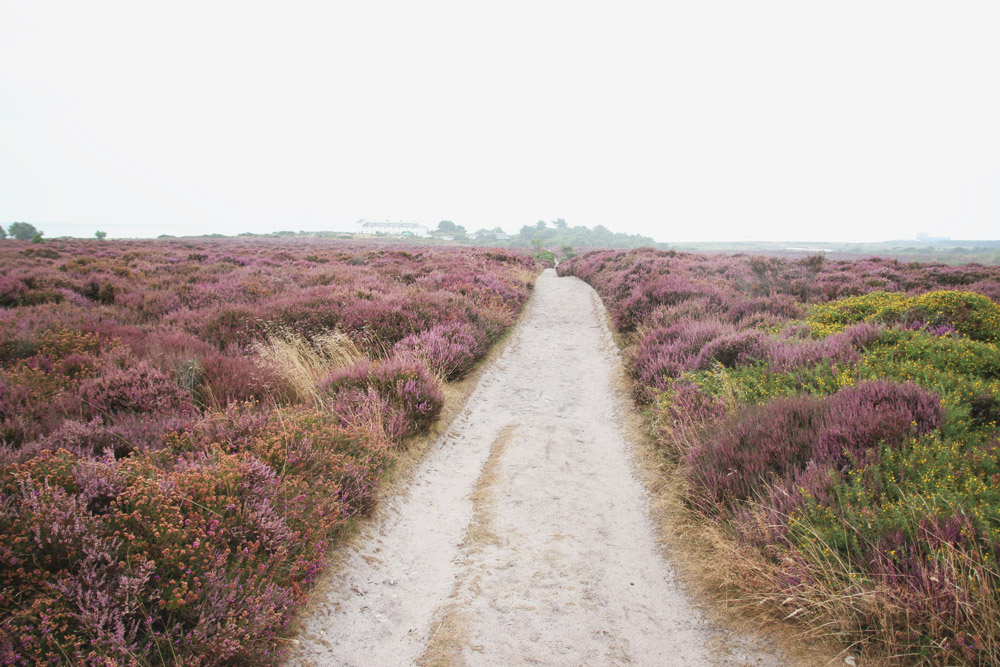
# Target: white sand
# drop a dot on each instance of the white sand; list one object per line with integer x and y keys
{"x": 525, "y": 535}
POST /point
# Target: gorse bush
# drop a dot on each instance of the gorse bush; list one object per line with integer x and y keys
{"x": 186, "y": 429}
{"x": 974, "y": 315}
{"x": 836, "y": 423}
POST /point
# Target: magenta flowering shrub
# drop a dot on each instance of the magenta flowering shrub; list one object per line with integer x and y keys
{"x": 202, "y": 557}
{"x": 734, "y": 350}
{"x": 634, "y": 282}
{"x": 665, "y": 352}
{"x": 11, "y": 292}
{"x": 164, "y": 496}
{"x": 386, "y": 319}
{"x": 406, "y": 396}
{"x": 781, "y": 307}
{"x": 837, "y": 421}
{"x": 839, "y": 348}
{"x": 775, "y": 443}
{"x": 126, "y": 384}
{"x": 690, "y": 403}
{"x": 669, "y": 290}
{"x": 450, "y": 350}
{"x": 95, "y": 438}
{"x": 858, "y": 418}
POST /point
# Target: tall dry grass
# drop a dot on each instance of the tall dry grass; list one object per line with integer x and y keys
{"x": 302, "y": 363}
{"x": 880, "y": 617}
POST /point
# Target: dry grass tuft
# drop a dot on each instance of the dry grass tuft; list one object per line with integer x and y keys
{"x": 303, "y": 362}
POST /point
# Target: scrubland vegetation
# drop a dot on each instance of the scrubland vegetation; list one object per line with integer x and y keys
{"x": 836, "y": 427}
{"x": 944, "y": 251}
{"x": 187, "y": 427}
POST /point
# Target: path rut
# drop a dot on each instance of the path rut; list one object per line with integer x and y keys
{"x": 525, "y": 535}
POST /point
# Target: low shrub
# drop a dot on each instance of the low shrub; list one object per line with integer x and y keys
{"x": 665, "y": 352}
{"x": 847, "y": 459}
{"x": 734, "y": 350}
{"x": 126, "y": 384}
{"x": 171, "y": 479}
{"x": 199, "y": 551}
{"x": 449, "y": 350}
{"x": 399, "y": 396}
{"x": 971, "y": 314}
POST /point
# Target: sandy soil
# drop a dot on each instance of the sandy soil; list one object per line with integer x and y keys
{"x": 525, "y": 535}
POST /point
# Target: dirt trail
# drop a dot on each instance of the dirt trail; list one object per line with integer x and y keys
{"x": 525, "y": 536}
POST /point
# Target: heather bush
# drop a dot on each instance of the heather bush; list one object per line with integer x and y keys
{"x": 202, "y": 548}
{"x": 408, "y": 398}
{"x": 448, "y": 350}
{"x": 235, "y": 326}
{"x": 840, "y": 349}
{"x": 665, "y": 352}
{"x": 734, "y": 350}
{"x": 758, "y": 446}
{"x": 385, "y": 319}
{"x": 169, "y": 491}
{"x": 781, "y": 306}
{"x": 841, "y": 436}
{"x": 126, "y": 384}
{"x": 668, "y": 290}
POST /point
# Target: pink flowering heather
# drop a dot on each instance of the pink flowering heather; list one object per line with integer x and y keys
{"x": 449, "y": 350}
{"x": 164, "y": 497}
{"x": 837, "y": 421}
{"x": 407, "y": 396}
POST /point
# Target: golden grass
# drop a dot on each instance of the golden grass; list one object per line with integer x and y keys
{"x": 302, "y": 362}
{"x": 836, "y": 600}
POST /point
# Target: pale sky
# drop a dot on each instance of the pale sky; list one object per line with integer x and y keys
{"x": 683, "y": 121}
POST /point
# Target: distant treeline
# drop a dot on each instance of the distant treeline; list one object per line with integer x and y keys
{"x": 558, "y": 234}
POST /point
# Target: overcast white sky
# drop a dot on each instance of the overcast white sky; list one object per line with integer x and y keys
{"x": 689, "y": 120}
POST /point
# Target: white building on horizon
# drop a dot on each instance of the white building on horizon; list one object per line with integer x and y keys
{"x": 394, "y": 228}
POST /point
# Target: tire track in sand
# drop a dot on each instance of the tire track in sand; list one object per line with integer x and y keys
{"x": 525, "y": 535}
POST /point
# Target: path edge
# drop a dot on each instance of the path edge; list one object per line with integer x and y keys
{"x": 398, "y": 481}
{"x": 681, "y": 541}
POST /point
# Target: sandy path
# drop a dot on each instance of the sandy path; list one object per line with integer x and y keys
{"x": 525, "y": 537}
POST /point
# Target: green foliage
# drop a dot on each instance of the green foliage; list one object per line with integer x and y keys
{"x": 449, "y": 228}
{"x": 759, "y": 383}
{"x": 3, "y": 233}
{"x": 957, "y": 368}
{"x": 100, "y": 235}
{"x": 22, "y": 231}
{"x": 37, "y": 238}
{"x": 545, "y": 256}
{"x": 559, "y": 233}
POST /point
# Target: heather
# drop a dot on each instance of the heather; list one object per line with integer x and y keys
{"x": 188, "y": 427}
{"x": 836, "y": 426}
